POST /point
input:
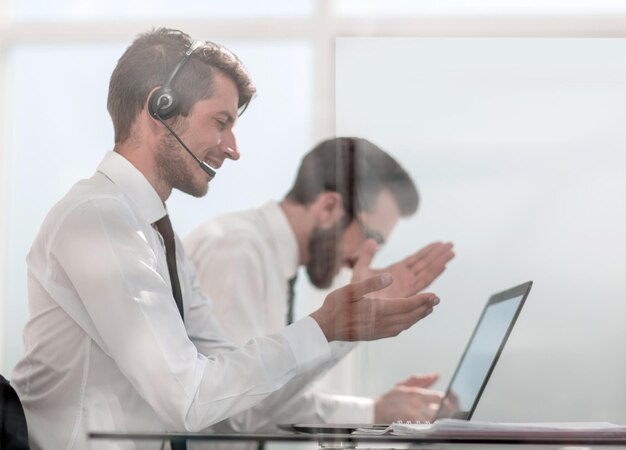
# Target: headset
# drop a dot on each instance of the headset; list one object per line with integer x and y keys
{"x": 164, "y": 103}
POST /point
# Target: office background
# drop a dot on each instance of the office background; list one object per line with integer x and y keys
{"x": 510, "y": 115}
{"x": 519, "y": 147}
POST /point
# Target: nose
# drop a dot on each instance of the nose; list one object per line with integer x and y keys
{"x": 228, "y": 145}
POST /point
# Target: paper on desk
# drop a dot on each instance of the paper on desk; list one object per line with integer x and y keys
{"x": 455, "y": 427}
{"x": 412, "y": 428}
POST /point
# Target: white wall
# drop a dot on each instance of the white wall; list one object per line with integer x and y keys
{"x": 518, "y": 147}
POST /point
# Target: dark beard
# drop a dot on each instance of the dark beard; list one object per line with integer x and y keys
{"x": 324, "y": 255}
{"x": 172, "y": 166}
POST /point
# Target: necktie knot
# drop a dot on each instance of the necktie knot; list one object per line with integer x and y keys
{"x": 164, "y": 226}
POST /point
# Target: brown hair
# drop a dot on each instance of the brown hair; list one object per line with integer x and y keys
{"x": 148, "y": 62}
{"x": 356, "y": 169}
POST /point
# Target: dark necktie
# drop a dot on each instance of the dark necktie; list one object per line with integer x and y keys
{"x": 290, "y": 297}
{"x": 164, "y": 226}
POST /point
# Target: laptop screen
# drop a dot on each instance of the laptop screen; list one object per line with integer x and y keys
{"x": 474, "y": 369}
{"x": 482, "y": 352}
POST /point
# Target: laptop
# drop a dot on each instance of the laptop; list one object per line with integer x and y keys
{"x": 474, "y": 369}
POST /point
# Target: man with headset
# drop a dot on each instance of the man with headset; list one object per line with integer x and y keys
{"x": 347, "y": 190}
{"x": 120, "y": 337}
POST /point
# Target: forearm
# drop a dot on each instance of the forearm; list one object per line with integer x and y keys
{"x": 298, "y": 401}
{"x": 261, "y": 367}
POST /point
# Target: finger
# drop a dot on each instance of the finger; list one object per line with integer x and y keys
{"x": 425, "y": 416}
{"x": 401, "y": 321}
{"x": 429, "y": 396}
{"x": 436, "y": 251}
{"x": 430, "y": 268}
{"x": 424, "y": 277}
{"x": 392, "y": 316}
{"x": 440, "y": 259}
{"x": 426, "y": 272}
{"x": 420, "y": 380}
{"x": 396, "y": 325}
{"x": 356, "y": 291}
{"x": 393, "y": 306}
{"x": 392, "y": 319}
{"x": 388, "y": 317}
{"x": 429, "y": 413}
{"x": 423, "y": 400}
{"x": 366, "y": 254}
{"x": 452, "y": 401}
{"x": 420, "y": 254}
{"x": 450, "y": 406}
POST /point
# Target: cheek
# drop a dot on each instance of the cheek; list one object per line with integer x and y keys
{"x": 207, "y": 137}
{"x": 212, "y": 138}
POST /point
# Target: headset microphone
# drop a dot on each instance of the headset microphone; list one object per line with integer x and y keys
{"x": 204, "y": 166}
{"x": 164, "y": 104}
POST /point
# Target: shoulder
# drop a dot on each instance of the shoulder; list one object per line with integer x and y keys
{"x": 90, "y": 207}
{"x": 229, "y": 234}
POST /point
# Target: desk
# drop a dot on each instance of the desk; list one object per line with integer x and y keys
{"x": 343, "y": 441}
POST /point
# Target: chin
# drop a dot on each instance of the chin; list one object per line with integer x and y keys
{"x": 202, "y": 192}
{"x": 197, "y": 190}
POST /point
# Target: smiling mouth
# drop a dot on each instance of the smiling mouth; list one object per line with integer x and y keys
{"x": 207, "y": 169}
{"x": 214, "y": 165}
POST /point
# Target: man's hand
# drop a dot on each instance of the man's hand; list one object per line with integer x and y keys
{"x": 450, "y": 406}
{"x": 412, "y": 274}
{"x": 348, "y": 315}
{"x": 409, "y": 400}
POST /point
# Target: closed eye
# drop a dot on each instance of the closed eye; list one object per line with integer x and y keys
{"x": 222, "y": 124}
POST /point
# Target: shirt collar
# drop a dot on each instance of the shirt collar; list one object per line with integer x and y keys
{"x": 134, "y": 185}
{"x": 282, "y": 238}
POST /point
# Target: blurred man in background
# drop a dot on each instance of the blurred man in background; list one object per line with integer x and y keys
{"x": 347, "y": 197}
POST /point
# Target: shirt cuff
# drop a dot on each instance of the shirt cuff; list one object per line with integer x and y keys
{"x": 308, "y": 343}
{"x": 340, "y": 349}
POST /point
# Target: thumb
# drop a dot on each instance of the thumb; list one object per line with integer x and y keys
{"x": 360, "y": 270}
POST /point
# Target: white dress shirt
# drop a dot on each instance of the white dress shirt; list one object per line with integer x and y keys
{"x": 106, "y": 349}
{"x": 261, "y": 244}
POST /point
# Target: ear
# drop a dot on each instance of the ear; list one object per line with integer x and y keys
{"x": 327, "y": 209}
{"x": 146, "y": 104}
{"x": 151, "y": 122}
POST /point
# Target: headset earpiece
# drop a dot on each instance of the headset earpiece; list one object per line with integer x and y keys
{"x": 165, "y": 101}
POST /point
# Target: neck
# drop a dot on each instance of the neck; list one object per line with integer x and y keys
{"x": 302, "y": 224}
{"x": 146, "y": 165}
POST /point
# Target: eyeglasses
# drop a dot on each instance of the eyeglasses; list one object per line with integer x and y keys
{"x": 348, "y": 164}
